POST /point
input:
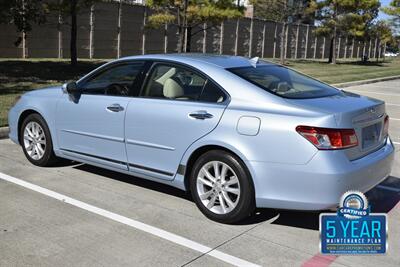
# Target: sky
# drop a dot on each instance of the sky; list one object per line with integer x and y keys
{"x": 381, "y": 14}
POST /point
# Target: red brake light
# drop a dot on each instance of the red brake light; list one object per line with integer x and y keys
{"x": 325, "y": 138}
{"x": 386, "y": 126}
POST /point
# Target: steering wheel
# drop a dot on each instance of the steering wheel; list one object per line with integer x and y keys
{"x": 117, "y": 89}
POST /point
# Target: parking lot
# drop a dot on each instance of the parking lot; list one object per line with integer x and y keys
{"x": 79, "y": 215}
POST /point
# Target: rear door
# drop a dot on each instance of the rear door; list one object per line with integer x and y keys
{"x": 177, "y": 106}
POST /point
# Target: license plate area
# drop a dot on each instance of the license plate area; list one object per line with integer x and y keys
{"x": 370, "y": 135}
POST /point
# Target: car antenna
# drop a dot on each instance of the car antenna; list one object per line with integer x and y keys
{"x": 254, "y": 61}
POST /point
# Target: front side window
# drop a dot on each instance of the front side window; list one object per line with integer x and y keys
{"x": 115, "y": 81}
{"x": 284, "y": 82}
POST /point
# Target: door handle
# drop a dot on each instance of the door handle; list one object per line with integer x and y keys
{"x": 201, "y": 115}
{"x": 115, "y": 108}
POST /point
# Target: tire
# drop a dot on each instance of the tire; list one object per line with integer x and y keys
{"x": 237, "y": 194}
{"x": 35, "y": 132}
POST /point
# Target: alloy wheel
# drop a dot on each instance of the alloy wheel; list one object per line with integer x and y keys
{"x": 218, "y": 187}
{"x": 34, "y": 140}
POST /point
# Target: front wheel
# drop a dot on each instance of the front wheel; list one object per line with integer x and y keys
{"x": 36, "y": 141}
{"x": 221, "y": 187}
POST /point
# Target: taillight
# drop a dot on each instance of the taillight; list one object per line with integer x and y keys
{"x": 326, "y": 138}
{"x": 386, "y": 127}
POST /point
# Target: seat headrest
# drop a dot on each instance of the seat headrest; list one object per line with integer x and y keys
{"x": 172, "y": 89}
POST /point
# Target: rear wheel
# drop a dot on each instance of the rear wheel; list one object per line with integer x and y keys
{"x": 36, "y": 141}
{"x": 221, "y": 187}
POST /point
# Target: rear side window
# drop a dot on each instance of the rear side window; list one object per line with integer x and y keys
{"x": 212, "y": 93}
{"x": 284, "y": 82}
{"x": 180, "y": 83}
{"x": 173, "y": 82}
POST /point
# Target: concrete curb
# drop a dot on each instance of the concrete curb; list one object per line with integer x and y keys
{"x": 348, "y": 84}
{"x": 4, "y": 132}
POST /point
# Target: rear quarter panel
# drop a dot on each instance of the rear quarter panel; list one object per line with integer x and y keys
{"x": 276, "y": 141}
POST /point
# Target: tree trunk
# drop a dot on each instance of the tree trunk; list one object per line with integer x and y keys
{"x": 74, "y": 58}
{"x": 182, "y": 29}
{"x": 188, "y": 38}
{"x": 283, "y": 44}
{"x": 332, "y": 50}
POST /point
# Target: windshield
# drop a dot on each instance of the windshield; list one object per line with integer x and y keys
{"x": 284, "y": 82}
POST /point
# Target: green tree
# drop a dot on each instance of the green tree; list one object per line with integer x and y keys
{"x": 70, "y": 8}
{"x": 283, "y": 11}
{"x": 343, "y": 18}
{"x": 188, "y": 14}
{"x": 394, "y": 11}
{"x": 23, "y": 13}
{"x": 382, "y": 31}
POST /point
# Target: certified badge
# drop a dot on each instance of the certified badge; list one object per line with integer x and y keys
{"x": 353, "y": 229}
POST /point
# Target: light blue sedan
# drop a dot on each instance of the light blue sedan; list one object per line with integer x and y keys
{"x": 237, "y": 133}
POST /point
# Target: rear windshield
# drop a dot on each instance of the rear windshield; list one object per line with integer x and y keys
{"x": 284, "y": 82}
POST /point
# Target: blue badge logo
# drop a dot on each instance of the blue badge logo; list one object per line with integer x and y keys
{"x": 353, "y": 229}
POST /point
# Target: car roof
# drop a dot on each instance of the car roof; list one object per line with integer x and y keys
{"x": 223, "y": 61}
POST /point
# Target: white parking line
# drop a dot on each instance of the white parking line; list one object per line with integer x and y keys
{"x": 396, "y": 143}
{"x": 395, "y": 119}
{"x": 135, "y": 224}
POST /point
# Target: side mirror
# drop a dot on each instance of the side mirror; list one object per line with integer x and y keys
{"x": 70, "y": 88}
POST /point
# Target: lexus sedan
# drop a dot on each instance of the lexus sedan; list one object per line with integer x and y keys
{"x": 237, "y": 133}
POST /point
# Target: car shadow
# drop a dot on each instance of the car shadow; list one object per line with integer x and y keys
{"x": 133, "y": 180}
{"x": 382, "y": 199}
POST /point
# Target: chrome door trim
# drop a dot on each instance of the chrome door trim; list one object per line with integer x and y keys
{"x": 100, "y": 136}
{"x": 152, "y": 145}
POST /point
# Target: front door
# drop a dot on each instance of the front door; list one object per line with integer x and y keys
{"x": 90, "y": 125}
{"x": 177, "y": 106}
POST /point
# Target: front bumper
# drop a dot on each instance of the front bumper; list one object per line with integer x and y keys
{"x": 13, "y": 125}
{"x": 319, "y": 184}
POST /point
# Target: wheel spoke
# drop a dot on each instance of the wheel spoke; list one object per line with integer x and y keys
{"x": 40, "y": 150}
{"x": 27, "y": 137}
{"x": 232, "y": 190}
{"x": 34, "y": 152}
{"x": 29, "y": 147}
{"x": 42, "y": 142}
{"x": 222, "y": 203}
{"x": 206, "y": 194}
{"x": 216, "y": 169}
{"x": 208, "y": 174}
{"x": 29, "y": 131}
{"x": 233, "y": 180}
{"x": 212, "y": 202}
{"x": 204, "y": 181}
{"x": 223, "y": 173}
{"x": 228, "y": 200}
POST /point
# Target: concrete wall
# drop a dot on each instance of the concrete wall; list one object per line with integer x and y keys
{"x": 100, "y": 36}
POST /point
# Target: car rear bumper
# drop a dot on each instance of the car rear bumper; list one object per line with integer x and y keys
{"x": 319, "y": 184}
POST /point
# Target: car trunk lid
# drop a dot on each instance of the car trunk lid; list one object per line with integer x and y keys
{"x": 363, "y": 114}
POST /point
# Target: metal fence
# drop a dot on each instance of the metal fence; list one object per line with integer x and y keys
{"x": 110, "y": 30}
